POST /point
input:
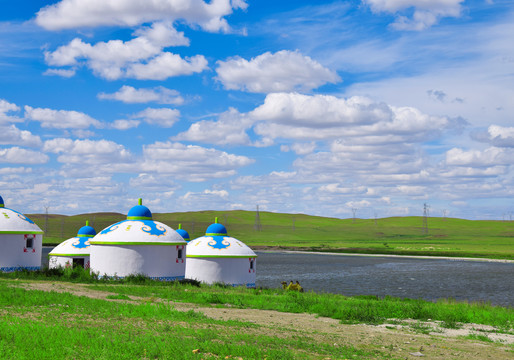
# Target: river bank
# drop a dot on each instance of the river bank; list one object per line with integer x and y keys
{"x": 377, "y": 253}
{"x": 302, "y": 251}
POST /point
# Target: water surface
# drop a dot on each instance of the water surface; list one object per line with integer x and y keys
{"x": 429, "y": 279}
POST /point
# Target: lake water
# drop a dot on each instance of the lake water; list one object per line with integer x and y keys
{"x": 429, "y": 279}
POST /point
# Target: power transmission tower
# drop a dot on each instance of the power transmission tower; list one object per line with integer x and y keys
{"x": 425, "y": 218}
{"x": 257, "y": 226}
{"x": 375, "y": 218}
{"x": 444, "y": 215}
{"x": 354, "y": 211}
{"x": 46, "y": 220}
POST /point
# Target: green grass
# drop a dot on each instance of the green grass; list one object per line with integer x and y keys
{"x": 356, "y": 309}
{"x": 50, "y": 325}
{"x": 395, "y": 235}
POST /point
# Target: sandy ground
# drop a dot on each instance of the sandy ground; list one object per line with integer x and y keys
{"x": 404, "y": 341}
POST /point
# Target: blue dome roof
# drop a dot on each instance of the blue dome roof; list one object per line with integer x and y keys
{"x": 86, "y": 231}
{"x": 216, "y": 229}
{"x": 139, "y": 212}
{"x": 183, "y": 233}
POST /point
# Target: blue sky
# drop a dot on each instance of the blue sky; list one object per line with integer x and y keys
{"x": 316, "y": 107}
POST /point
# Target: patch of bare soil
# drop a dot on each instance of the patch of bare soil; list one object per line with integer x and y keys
{"x": 407, "y": 340}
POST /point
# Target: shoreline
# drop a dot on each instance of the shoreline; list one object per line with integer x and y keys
{"x": 388, "y": 255}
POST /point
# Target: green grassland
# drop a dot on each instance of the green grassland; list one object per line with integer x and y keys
{"x": 63, "y": 325}
{"x": 394, "y": 235}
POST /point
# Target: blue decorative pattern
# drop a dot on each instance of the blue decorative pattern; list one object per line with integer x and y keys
{"x": 21, "y": 216}
{"x": 18, "y": 268}
{"x": 150, "y": 227}
{"x": 80, "y": 242}
{"x": 112, "y": 227}
{"x": 218, "y": 242}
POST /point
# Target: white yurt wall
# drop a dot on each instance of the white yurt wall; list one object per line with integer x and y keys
{"x": 139, "y": 245}
{"x": 219, "y": 258}
{"x": 21, "y": 241}
{"x": 74, "y": 251}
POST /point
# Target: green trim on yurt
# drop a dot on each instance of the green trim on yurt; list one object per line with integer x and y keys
{"x": 134, "y": 243}
{"x": 69, "y": 255}
{"x": 28, "y": 232}
{"x": 139, "y": 218}
{"x": 221, "y": 256}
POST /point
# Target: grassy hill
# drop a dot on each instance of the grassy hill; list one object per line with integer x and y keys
{"x": 394, "y": 235}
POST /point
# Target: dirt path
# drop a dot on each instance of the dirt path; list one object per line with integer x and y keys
{"x": 409, "y": 340}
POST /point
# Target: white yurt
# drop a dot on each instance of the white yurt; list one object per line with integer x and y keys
{"x": 183, "y": 233}
{"x": 74, "y": 251}
{"x": 21, "y": 241}
{"x": 139, "y": 245}
{"x": 219, "y": 258}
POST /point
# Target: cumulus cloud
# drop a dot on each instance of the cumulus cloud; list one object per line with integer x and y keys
{"x": 300, "y": 148}
{"x": 17, "y": 155}
{"x": 92, "y": 152}
{"x": 167, "y": 65}
{"x": 324, "y": 117}
{"x": 496, "y": 135}
{"x": 11, "y": 135}
{"x": 190, "y": 162}
{"x": 5, "y": 108}
{"x": 131, "y": 95}
{"x": 475, "y": 158}
{"x": 71, "y": 14}
{"x": 229, "y": 129}
{"x": 426, "y": 12}
{"x": 66, "y": 73}
{"x": 282, "y": 71}
{"x": 124, "y": 124}
{"x": 162, "y": 117}
{"x": 60, "y": 119}
{"x": 140, "y": 58}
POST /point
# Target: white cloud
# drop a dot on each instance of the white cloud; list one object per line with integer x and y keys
{"x": 67, "y": 73}
{"x": 70, "y": 14}
{"x": 229, "y": 129}
{"x": 475, "y": 158}
{"x": 125, "y": 124}
{"x": 16, "y": 155}
{"x": 162, "y": 117}
{"x": 167, "y": 65}
{"x": 189, "y": 162}
{"x": 324, "y": 117}
{"x": 131, "y": 95}
{"x": 496, "y": 135}
{"x": 92, "y": 152}
{"x": 283, "y": 71}
{"x": 60, "y": 119}
{"x": 303, "y": 148}
{"x": 15, "y": 170}
{"x": 11, "y": 135}
{"x": 7, "y": 107}
{"x": 140, "y": 58}
{"x": 426, "y": 12}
